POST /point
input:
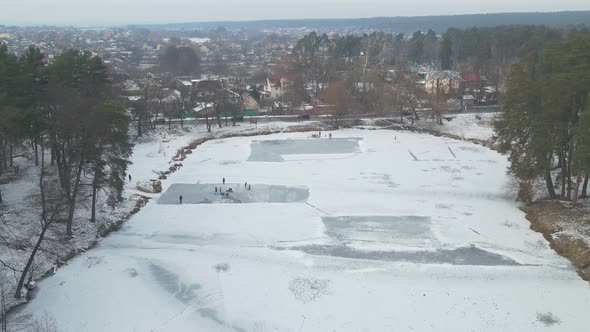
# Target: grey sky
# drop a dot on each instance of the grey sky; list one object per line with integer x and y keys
{"x": 92, "y": 12}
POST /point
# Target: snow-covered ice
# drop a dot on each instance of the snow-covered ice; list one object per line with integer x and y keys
{"x": 396, "y": 235}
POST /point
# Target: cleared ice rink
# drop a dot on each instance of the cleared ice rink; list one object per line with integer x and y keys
{"x": 208, "y": 193}
{"x": 368, "y": 231}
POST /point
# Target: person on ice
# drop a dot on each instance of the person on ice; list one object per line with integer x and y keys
{"x": 129, "y": 177}
{"x": 330, "y": 135}
{"x": 320, "y": 134}
{"x": 223, "y": 180}
{"x": 216, "y": 189}
{"x": 249, "y": 187}
{"x": 245, "y": 185}
{"x": 180, "y": 199}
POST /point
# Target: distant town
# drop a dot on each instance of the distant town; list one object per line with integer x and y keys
{"x": 266, "y": 72}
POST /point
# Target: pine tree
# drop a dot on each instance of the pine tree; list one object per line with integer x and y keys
{"x": 523, "y": 131}
{"x": 446, "y": 53}
{"x": 416, "y": 51}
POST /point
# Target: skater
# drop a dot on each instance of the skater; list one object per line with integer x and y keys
{"x": 180, "y": 199}
{"x": 320, "y": 135}
{"x": 330, "y": 135}
{"x": 249, "y": 187}
{"x": 215, "y": 189}
{"x": 223, "y": 180}
{"x": 129, "y": 177}
{"x": 245, "y": 185}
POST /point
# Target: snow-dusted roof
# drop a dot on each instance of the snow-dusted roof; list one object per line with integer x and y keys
{"x": 438, "y": 74}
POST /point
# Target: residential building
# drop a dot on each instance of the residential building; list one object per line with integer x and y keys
{"x": 276, "y": 85}
{"x": 442, "y": 82}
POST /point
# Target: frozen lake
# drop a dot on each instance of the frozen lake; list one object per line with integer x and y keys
{"x": 367, "y": 231}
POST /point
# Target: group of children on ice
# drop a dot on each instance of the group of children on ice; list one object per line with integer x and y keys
{"x": 223, "y": 194}
{"x": 319, "y": 135}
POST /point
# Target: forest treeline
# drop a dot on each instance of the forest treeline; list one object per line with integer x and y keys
{"x": 68, "y": 108}
{"x": 545, "y": 126}
{"x": 64, "y": 118}
{"x": 379, "y": 71}
{"x": 398, "y": 24}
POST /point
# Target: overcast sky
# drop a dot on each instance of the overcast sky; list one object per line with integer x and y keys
{"x": 93, "y": 12}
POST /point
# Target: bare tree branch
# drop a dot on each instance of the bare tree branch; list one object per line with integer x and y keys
{"x": 8, "y": 266}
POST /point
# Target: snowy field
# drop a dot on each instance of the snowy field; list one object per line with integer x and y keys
{"x": 376, "y": 234}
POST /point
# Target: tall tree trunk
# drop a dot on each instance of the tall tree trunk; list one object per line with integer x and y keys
{"x": 577, "y": 187}
{"x": 62, "y": 167}
{"x": 585, "y": 187}
{"x": 563, "y": 173}
{"x": 570, "y": 157}
{"x": 0, "y": 187}
{"x": 401, "y": 115}
{"x": 45, "y": 225}
{"x": 3, "y": 318}
{"x": 3, "y": 163}
{"x": 207, "y": 122}
{"x": 11, "y": 147}
{"x": 36, "y": 151}
{"x": 52, "y": 155}
{"x": 73, "y": 196}
{"x": 23, "y": 276}
{"x": 93, "y": 213}
{"x": 139, "y": 126}
{"x": 94, "y": 193}
{"x": 549, "y": 185}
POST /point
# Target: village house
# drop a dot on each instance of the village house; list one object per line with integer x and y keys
{"x": 471, "y": 82}
{"x": 186, "y": 83}
{"x": 249, "y": 103}
{"x": 276, "y": 85}
{"x": 442, "y": 82}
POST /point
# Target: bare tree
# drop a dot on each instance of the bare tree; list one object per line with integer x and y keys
{"x": 3, "y": 318}
{"x": 338, "y": 99}
{"x": 585, "y": 187}
{"x": 52, "y": 207}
